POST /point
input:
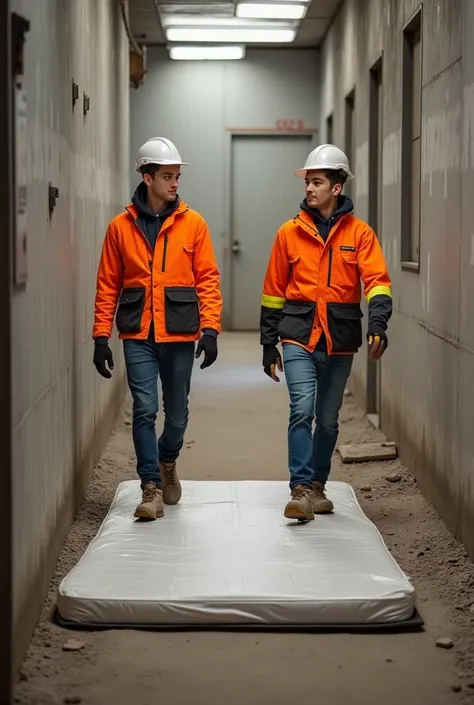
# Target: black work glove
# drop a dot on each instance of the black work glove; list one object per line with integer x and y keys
{"x": 208, "y": 346}
{"x": 102, "y": 355}
{"x": 378, "y": 341}
{"x": 271, "y": 359}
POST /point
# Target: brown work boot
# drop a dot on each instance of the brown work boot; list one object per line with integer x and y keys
{"x": 321, "y": 503}
{"x": 300, "y": 505}
{"x": 151, "y": 506}
{"x": 170, "y": 482}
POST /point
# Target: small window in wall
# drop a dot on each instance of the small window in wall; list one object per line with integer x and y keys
{"x": 329, "y": 129}
{"x": 350, "y": 138}
{"x": 411, "y": 143}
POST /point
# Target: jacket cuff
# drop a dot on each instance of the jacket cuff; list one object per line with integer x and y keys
{"x": 101, "y": 340}
{"x": 376, "y": 330}
{"x": 380, "y": 312}
{"x": 210, "y": 331}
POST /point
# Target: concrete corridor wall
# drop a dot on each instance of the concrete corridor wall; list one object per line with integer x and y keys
{"x": 62, "y": 410}
{"x": 428, "y": 371}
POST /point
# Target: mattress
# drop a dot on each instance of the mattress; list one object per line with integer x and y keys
{"x": 225, "y": 556}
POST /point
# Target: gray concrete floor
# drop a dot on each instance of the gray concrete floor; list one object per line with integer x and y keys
{"x": 238, "y": 431}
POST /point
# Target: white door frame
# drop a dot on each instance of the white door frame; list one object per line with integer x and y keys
{"x": 233, "y": 133}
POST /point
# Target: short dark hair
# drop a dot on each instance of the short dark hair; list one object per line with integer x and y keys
{"x": 150, "y": 169}
{"x": 335, "y": 176}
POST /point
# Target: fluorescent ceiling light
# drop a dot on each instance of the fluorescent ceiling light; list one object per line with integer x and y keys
{"x": 271, "y": 12}
{"x": 224, "y": 22}
{"x": 203, "y": 53}
{"x": 241, "y": 35}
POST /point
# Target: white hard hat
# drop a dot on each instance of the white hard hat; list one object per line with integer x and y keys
{"x": 326, "y": 156}
{"x": 158, "y": 150}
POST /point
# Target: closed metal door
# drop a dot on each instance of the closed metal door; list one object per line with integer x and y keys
{"x": 265, "y": 193}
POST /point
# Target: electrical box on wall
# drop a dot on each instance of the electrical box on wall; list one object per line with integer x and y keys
{"x": 138, "y": 66}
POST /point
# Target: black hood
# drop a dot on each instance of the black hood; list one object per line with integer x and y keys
{"x": 150, "y": 222}
{"x": 139, "y": 200}
{"x": 344, "y": 206}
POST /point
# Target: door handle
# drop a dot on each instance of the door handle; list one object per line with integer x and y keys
{"x": 236, "y": 247}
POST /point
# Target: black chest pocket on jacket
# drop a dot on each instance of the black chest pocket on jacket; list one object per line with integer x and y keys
{"x": 130, "y": 310}
{"x": 182, "y": 315}
{"x": 345, "y": 327}
{"x": 296, "y": 322}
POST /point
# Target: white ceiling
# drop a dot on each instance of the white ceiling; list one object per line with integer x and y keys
{"x": 146, "y": 26}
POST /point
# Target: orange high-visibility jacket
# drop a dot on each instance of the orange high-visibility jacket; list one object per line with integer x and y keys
{"x": 176, "y": 285}
{"x": 313, "y": 286}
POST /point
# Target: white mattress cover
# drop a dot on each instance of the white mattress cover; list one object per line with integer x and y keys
{"x": 227, "y": 555}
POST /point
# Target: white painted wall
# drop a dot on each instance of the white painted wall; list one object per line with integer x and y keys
{"x": 195, "y": 103}
{"x": 61, "y": 408}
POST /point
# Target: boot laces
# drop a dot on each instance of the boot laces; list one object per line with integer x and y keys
{"x": 169, "y": 474}
{"x": 300, "y": 492}
{"x": 319, "y": 491}
{"x": 149, "y": 494}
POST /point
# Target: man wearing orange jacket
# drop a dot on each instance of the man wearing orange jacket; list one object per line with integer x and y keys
{"x": 158, "y": 266}
{"x": 311, "y": 303}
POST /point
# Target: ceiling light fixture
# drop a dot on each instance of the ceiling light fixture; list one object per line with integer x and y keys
{"x": 219, "y": 22}
{"x": 266, "y": 11}
{"x": 236, "y": 35}
{"x": 203, "y": 53}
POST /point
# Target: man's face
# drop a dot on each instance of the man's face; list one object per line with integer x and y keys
{"x": 319, "y": 192}
{"x": 164, "y": 184}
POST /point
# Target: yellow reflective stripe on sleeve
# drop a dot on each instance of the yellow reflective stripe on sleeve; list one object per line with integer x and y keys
{"x": 378, "y": 291}
{"x": 273, "y": 301}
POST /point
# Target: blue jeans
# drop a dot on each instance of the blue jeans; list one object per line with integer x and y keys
{"x": 173, "y": 362}
{"x": 316, "y": 383}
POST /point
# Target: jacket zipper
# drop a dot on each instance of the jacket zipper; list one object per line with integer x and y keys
{"x": 143, "y": 235}
{"x": 330, "y": 246}
{"x": 150, "y": 264}
{"x": 315, "y": 231}
{"x": 330, "y": 265}
{"x": 165, "y": 247}
{"x": 165, "y": 244}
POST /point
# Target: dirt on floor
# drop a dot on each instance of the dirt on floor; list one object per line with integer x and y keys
{"x": 238, "y": 431}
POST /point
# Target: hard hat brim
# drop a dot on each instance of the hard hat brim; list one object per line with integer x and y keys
{"x": 159, "y": 162}
{"x": 301, "y": 173}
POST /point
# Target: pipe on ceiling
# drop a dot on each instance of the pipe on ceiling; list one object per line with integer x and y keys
{"x": 125, "y": 16}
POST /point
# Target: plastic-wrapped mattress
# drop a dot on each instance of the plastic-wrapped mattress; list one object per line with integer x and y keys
{"x": 226, "y": 556}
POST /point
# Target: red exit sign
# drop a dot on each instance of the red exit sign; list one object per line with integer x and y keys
{"x": 290, "y": 125}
